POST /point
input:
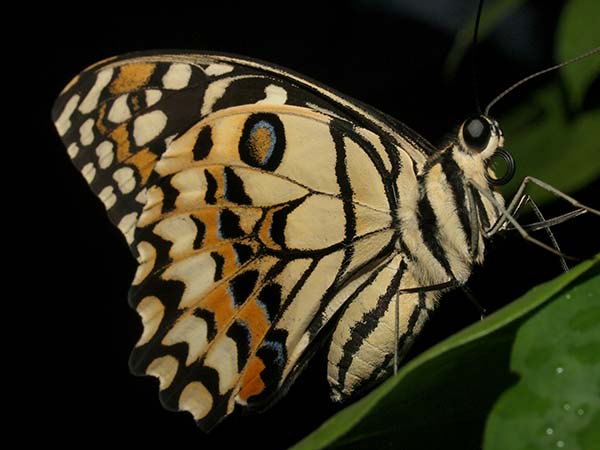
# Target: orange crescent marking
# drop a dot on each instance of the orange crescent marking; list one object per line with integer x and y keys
{"x": 265, "y": 230}
{"x": 100, "y": 120}
{"x": 252, "y": 384}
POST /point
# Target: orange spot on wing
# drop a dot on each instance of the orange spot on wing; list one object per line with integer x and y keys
{"x": 254, "y": 316}
{"x": 228, "y": 255}
{"x": 252, "y": 384}
{"x": 135, "y": 100}
{"x": 121, "y": 138}
{"x": 100, "y": 120}
{"x": 220, "y": 303}
{"x": 210, "y": 220}
{"x": 260, "y": 142}
{"x": 131, "y": 77}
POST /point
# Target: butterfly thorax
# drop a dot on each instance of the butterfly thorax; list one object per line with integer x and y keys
{"x": 452, "y": 211}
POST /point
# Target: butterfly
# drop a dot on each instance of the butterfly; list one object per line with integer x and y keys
{"x": 270, "y": 215}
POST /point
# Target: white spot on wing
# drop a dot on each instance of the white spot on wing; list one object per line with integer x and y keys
{"x": 218, "y": 69}
{"x": 146, "y": 259}
{"x": 119, "y": 111}
{"x": 91, "y": 99}
{"x": 89, "y": 172}
{"x": 152, "y": 96}
{"x": 125, "y": 179}
{"x": 196, "y": 399}
{"x": 153, "y": 206}
{"x": 148, "y": 126}
{"x": 86, "y": 132}
{"x": 191, "y": 330}
{"x": 196, "y": 273}
{"x": 73, "y": 150}
{"x": 165, "y": 369}
{"x": 127, "y": 226}
{"x": 177, "y": 77}
{"x": 105, "y": 154}
{"x": 180, "y": 230}
{"x": 274, "y": 95}
{"x": 141, "y": 197}
{"x": 63, "y": 122}
{"x": 151, "y": 311}
{"x": 223, "y": 358}
{"x": 214, "y": 92}
{"x": 108, "y": 197}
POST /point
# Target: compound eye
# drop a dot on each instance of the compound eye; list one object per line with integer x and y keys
{"x": 476, "y": 133}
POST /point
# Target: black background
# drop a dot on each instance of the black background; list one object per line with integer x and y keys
{"x": 385, "y": 57}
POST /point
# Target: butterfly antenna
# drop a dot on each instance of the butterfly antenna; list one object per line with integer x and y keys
{"x": 474, "y": 55}
{"x": 537, "y": 74}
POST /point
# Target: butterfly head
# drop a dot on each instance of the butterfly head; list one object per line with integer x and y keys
{"x": 482, "y": 138}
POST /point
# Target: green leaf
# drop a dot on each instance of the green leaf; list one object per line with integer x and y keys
{"x": 556, "y": 403}
{"x": 578, "y": 33}
{"x": 548, "y": 145}
{"x": 441, "y": 398}
{"x": 493, "y": 13}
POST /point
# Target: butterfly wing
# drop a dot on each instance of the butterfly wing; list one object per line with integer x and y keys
{"x": 254, "y": 200}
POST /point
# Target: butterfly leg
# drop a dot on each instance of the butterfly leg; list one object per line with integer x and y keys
{"x": 552, "y": 221}
{"x": 473, "y": 300}
{"x": 518, "y": 200}
{"x": 509, "y": 218}
{"x": 543, "y": 223}
{"x": 556, "y": 192}
{"x": 536, "y": 210}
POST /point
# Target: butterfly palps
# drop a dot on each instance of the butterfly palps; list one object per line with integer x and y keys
{"x": 270, "y": 214}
